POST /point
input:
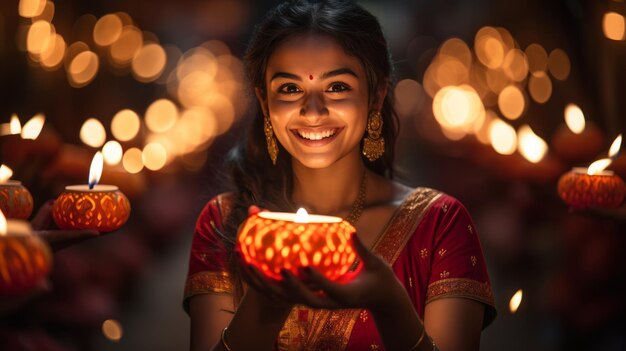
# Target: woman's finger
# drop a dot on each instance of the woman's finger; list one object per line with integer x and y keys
{"x": 59, "y": 239}
{"x": 335, "y": 291}
{"x": 304, "y": 295}
{"x": 43, "y": 218}
{"x": 369, "y": 259}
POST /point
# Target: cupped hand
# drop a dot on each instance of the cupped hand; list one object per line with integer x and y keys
{"x": 372, "y": 287}
{"x": 58, "y": 238}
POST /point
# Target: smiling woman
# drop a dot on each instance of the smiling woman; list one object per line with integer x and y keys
{"x": 324, "y": 141}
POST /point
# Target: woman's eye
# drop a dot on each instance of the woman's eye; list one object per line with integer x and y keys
{"x": 289, "y": 89}
{"x": 338, "y": 88}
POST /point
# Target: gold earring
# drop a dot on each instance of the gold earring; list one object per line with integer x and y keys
{"x": 272, "y": 148}
{"x": 374, "y": 143}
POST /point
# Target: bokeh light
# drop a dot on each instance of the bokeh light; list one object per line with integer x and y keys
{"x": 161, "y": 115}
{"x": 127, "y": 45}
{"x": 515, "y": 65}
{"x": 489, "y": 48}
{"x": 52, "y": 57}
{"x": 92, "y": 133}
{"x": 31, "y": 8}
{"x": 112, "y": 152}
{"x": 125, "y": 125}
{"x": 154, "y": 156}
{"x": 503, "y": 137}
{"x": 107, "y": 30}
{"x": 537, "y": 58}
{"x": 574, "y": 118}
{"x": 15, "y": 127}
{"x": 457, "y": 107}
{"x": 112, "y": 330}
{"x": 558, "y": 64}
{"x": 39, "y": 37}
{"x": 132, "y": 160}
{"x": 83, "y": 69}
{"x": 149, "y": 62}
{"x": 540, "y": 87}
{"x": 511, "y": 102}
{"x": 33, "y": 127}
{"x": 515, "y": 301}
{"x": 530, "y": 145}
{"x": 613, "y": 25}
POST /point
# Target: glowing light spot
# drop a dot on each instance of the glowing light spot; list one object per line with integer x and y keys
{"x": 92, "y": 133}
{"x": 558, "y": 64}
{"x": 112, "y": 330}
{"x": 613, "y": 25}
{"x": 515, "y": 301}
{"x": 31, "y": 8}
{"x": 540, "y": 87}
{"x": 161, "y": 115}
{"x": 14, "y": 126}
{"x": 52, "y": 57}
{"x": 33, "y": 127}
{"x": 132, "y": 160}
{"x": 107, "y": 30}
{"x": 83, "y": 69}
{"x": 503, "y": 137}
{"x": 127, "y": 45}
{"x": 574, "y": 118}
{"x": 531, "y": 146}
{"x": 515, "y": 65}
{"x": 125, "y": 125}
{"x": 511, "y": 102}
{"x": 456, "y": 107}
{"x": 112, "y": 152}
{"x": 148, "y": 63}
{"x": 5, "y": 173}
{"x": 39, "y": 37}
{"x": 615, "y": 146}
{"x": 489, "y": 47}
{"x": 537, "y": 58}
{"x": 154, "y": 156}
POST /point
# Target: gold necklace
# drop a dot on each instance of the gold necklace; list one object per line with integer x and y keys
{"x": 359, "y": 202}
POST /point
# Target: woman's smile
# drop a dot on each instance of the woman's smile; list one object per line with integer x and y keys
{"x": 316, "y": 137}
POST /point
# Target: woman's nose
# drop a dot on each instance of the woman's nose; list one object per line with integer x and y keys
{"x": 314, "y": 107}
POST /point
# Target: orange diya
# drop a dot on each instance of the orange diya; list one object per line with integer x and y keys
{"x": 272, "y": 241}
{"x": 101, "y": 207}
{"x": 15, "y": 200}
{"x": 593, "y": 186}
{"x": 25, "y": 259}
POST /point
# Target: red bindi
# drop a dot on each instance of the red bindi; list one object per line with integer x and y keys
{"x": 310, "y": 77}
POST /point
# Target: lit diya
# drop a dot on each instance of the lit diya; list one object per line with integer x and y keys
{"x": 593, "y": 186}
{"x": 25, "y": 258}
{"x": 94, "y": 206}
{"x": 15, "y": 200}
{"x": 272, "y": 241}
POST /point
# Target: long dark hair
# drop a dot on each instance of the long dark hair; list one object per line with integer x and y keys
{"x": 255, "y": 180}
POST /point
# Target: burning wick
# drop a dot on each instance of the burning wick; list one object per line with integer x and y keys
{"x": 310, "y": 77}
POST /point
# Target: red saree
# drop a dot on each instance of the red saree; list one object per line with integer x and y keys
{"x": 430, "y": 242}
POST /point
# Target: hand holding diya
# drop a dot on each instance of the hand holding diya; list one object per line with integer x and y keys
{"x": 25, "y": 259}
{"x": 15, "y": 200}
{"x": 100, "y": 207}
{"x": 594, "y": 186}
{"x": 272, "y": 241}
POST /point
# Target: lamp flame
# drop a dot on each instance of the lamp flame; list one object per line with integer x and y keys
{"x": 5, "y": 173}
{"x": 531, "y": 146}
{"x": 617, "y": 143}
{"x": 3, "y": 224}
{"x": 302, "y": 216}
{"x": 33, "y": 127}
{"x": 15, "y": 127}
{"x": 598, "y": 166}
{"x": 516, "y": 300}
{"x": 574, "y": 118}
{"x": 95, "y": 171}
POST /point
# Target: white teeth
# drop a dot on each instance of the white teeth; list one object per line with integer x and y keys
{"x": 317, "y": 135}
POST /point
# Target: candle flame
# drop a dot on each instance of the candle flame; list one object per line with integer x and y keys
{"x": 531, "y": 146}
{"x": 15, "y": 127}
{"x": 574, "y": 118}
{"x": 598, "y": 166}
{"x": 33, "y": 127}
{"x": 95, "y": 171}
{"x": 3, "y": 224}
{"x": 5, "y": 173}
{"x": 516, "y": 300}
{"x": 617, "y": 143}
{"x": 302, "y": 216}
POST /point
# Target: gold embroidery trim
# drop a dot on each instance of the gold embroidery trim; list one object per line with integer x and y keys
{"x": 460, "y": 287}
{"x": 207, "y": 282}
{"x": 331, "y": 330}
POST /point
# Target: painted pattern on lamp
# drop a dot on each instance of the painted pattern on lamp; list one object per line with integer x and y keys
{"x": 15, "y": 199}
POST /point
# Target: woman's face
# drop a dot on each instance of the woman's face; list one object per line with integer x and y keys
{"x": 317, "y": 99}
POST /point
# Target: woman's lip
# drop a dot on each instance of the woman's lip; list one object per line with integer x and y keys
{"x": 316, "y": 143}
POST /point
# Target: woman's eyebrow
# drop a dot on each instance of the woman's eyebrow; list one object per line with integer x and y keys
{"x": 325, "y": 75}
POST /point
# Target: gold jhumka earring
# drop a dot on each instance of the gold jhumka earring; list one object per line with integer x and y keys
{"x": 374, "y": 143}
{"x": 272, "y": 148}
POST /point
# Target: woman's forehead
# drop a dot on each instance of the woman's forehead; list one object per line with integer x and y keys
{"x": 311, "y": 54}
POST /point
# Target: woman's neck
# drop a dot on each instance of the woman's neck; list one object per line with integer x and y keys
{"x": 329, "y": 191}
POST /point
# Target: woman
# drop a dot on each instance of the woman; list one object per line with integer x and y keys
{"x": 324, "y": 141}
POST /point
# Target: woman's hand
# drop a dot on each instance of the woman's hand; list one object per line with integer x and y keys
{"x": 56, "y": 238}
{"x": 375, "y": 287}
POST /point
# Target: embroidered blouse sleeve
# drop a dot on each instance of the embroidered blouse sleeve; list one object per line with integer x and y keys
{"x": 207, "y": 261}
{"x": 458, "y": 265}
